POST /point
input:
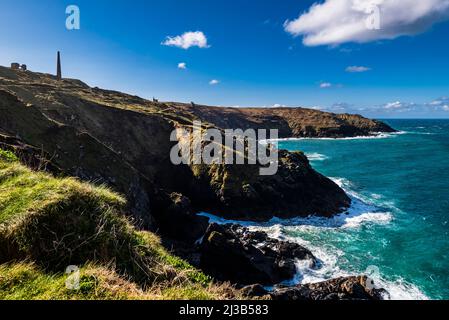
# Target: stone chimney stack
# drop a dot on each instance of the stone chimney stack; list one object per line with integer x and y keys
{"x": 59, "y": 71}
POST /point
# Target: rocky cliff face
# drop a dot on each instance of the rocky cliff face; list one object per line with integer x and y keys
{"x": 112, "y": 138}
{"x": 291, "y": 122}
{"x": 123, "y": 141}
{"x": 295, "y": 190}
{"x": 72, "y": 152}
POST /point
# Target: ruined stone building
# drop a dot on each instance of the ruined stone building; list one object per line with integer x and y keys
{"x": 18, "y": 66}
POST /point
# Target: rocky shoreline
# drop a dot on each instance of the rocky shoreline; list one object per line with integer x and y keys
{"x": 231, "y": 252}
{"x": 122, "y": 141}
{"x": 259, "y": 266}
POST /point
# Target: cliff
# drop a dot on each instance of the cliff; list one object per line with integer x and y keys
{"x": 291, "y": 122}
{"x": 123, "y": 141}
{"x": 48, "y": 223}
{"x": 89, "y": 140}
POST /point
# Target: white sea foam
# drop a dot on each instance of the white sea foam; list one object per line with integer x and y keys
{"x": 401, "y": 290}
{"x": 397, "y": 289}
{"x": 316, "y": 156}
{"x": 361, "y": 212}
{"x": 422, "y": 133}
{"x": 329, "y": 257}
{"x": 375, "y": 135}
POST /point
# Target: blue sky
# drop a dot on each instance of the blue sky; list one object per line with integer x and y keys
{"x": 256, "y": 58}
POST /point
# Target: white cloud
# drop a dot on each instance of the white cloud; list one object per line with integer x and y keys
{"x": 440, "y": 104}
{"x": 326, "y": 85}
{"x": 318, "y": 108}
{"x": 214, "y": 82}
{"x": 341, "y": 107}
{"x": 355, "y": 69}
{"x": 187, "y": 40}
{"x": 433, "y": 109}
{"x": 334, "y": 22}
{"x": 395, "y": 105}
{"x": 440, "y": 101}
{"x": 428, "y": 108}
{"x": 182, "y": 65}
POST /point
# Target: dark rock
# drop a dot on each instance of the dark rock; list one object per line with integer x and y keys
{"x": 94, "y": 162}
{"x": 34, "y": 158}
{"x": 345, "y": 288}
{"x": 232, "y": 252}
{"x": 295, "y": 190}
{"x": 291, "y": 122}
{"x": 123, "y": 141}
{"x": 254, "y": 290}
{"x": 175, "y": 218}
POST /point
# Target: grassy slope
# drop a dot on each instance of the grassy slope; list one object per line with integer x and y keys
{"x": 47, "y": 224}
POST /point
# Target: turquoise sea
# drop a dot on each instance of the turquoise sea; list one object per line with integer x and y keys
{"x": 397, "y": 229}
{"x": 404, "y": 178}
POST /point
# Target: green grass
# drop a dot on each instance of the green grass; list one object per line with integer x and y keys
{"x": 25, "y": 281}
{"x": 7, "y": 156}
{"x": 52, "y": 223}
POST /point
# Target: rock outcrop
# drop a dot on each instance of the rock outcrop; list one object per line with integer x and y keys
{"x": 76, "y": 153}
{"x": 345, "y": 288}
{"x": 124, "y": 141}
{"x": 296, "y": 190}
{"x": 291, "y": 122}
{"x": 234, "y": 253}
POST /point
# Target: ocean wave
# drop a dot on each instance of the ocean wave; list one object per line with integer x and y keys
{"x": 422, "y": 133}
{"x": 329, "y": 257}
{"x": 376, "y": 135}
{"x": 364, "y": 210}
{"x": 360, "y": 212}
{"x": 397, "y": 289}
{"x": 316, "y": 156}
{"x": 411, "y": 130}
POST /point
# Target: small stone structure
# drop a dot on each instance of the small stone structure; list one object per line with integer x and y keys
{"x": 18, "y": 66}
{"x": 155, "y": 100}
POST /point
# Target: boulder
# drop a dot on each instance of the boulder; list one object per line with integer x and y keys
{"x": 233, "y": 253}
{"x": 175, "y": 217}
{"x": 254, "y": 290}
{"x": 344, "y": 288}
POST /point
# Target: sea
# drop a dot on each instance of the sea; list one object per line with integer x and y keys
{"x": 397, "y": 229}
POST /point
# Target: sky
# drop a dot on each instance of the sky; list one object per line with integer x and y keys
{"x": 379, "y": 58}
